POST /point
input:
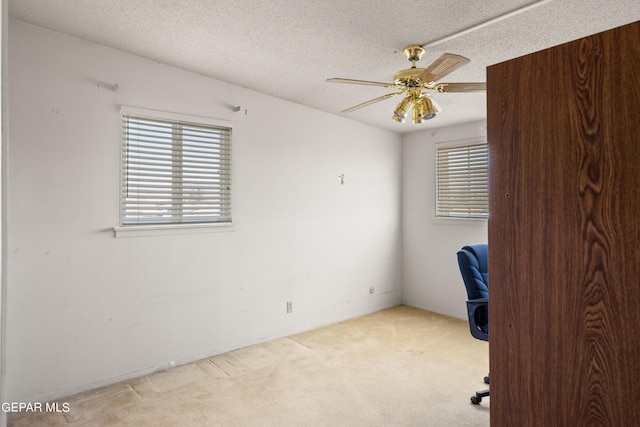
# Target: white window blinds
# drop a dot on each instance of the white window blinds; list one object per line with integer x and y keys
{"x": 174, "y": 172}
{"x": 462, "y": 181}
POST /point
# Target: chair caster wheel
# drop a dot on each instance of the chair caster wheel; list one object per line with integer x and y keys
{"x": 486, "y": 379}
{"x": 476, "y": 400}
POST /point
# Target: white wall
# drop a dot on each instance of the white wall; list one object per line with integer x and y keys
{"x": 431, "y": 278}
{"x": 86, "y": 309}
{"x": 4, "y": 6}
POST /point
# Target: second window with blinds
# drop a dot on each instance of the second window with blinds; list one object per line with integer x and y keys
{"x": 462, "y": 181}
{"x": 176, "y": 169}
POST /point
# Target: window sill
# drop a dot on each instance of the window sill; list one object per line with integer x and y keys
{"x": 170, "y": 229}
{"x": 460, "y": 221}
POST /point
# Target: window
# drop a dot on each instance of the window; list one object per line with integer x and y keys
{"x": 174, "y": 171}
{"x": 462, "y": 181}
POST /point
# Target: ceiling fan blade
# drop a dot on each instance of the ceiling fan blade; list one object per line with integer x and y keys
{"x": 447, "y": 63}
{"x": 372, "y": 101}
{"x": 359, "y": 82}
{"x": 460, "y": 87}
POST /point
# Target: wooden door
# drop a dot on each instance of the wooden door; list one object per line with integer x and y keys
{"x": 564, "y": 234}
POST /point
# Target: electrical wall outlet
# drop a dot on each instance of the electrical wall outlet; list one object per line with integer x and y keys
{"x": 289, "y": 306}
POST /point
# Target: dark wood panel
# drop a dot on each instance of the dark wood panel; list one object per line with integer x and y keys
{"x": 564, "y": 234}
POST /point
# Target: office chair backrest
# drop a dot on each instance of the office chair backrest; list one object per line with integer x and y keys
{"x": 473, "y": 261}
{"x": 474, "y": 267}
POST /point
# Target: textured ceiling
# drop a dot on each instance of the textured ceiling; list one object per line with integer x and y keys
{"x": 288, "y": 48}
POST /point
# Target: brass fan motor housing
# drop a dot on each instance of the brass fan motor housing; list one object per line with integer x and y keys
{"x": 408, "y": 77}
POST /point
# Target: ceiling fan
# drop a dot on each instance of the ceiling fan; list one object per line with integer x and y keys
{"x": 415, "y": 82}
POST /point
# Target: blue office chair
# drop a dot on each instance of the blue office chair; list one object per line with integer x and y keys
{"x": 473, "y": 263}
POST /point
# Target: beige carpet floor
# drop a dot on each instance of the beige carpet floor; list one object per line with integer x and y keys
{"x": 397, "y": 367}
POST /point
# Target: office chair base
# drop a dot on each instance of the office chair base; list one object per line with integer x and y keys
{"x": 477, "y": 398}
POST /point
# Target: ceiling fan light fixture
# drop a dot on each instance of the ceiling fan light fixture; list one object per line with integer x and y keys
{"x": 418, "y": 112}
{"x": 428, "y": 108}
{"x": 400, "y": 113}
